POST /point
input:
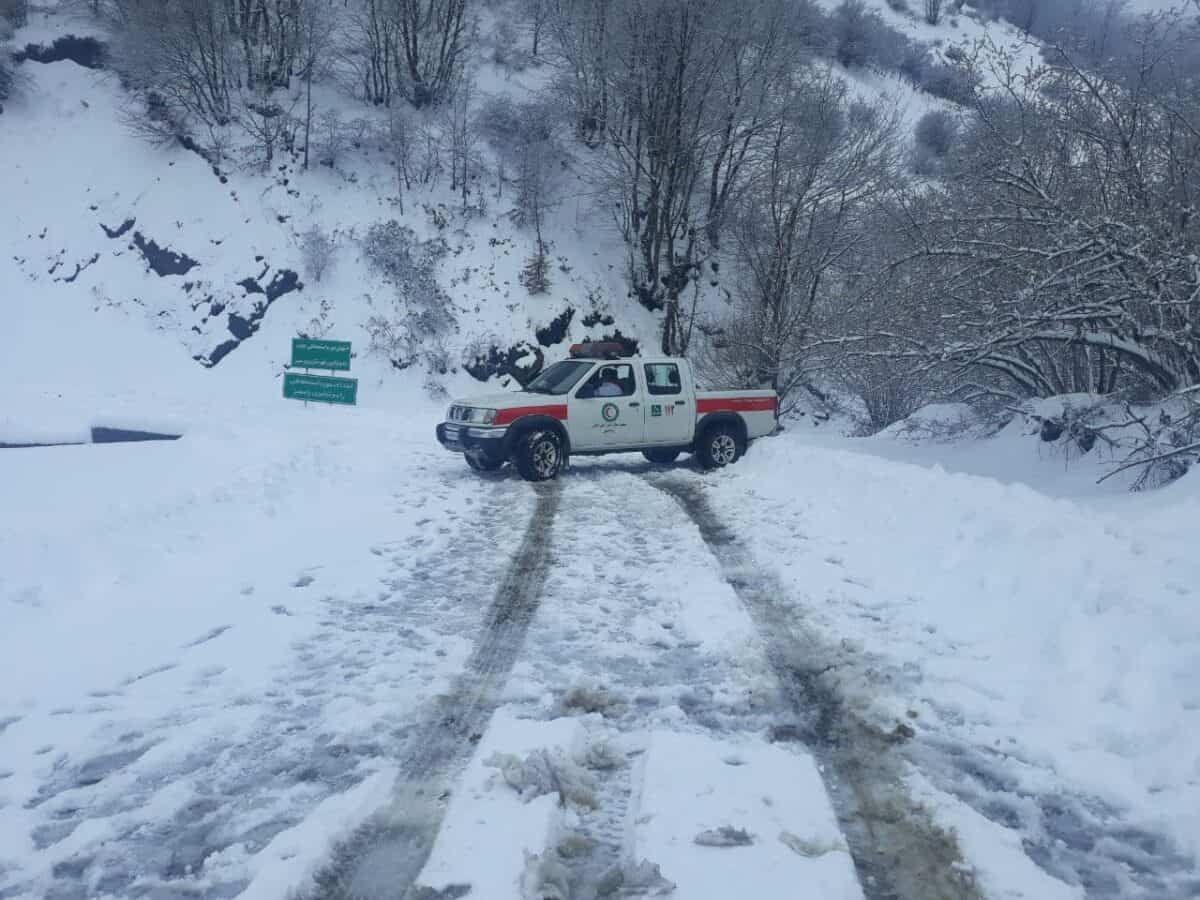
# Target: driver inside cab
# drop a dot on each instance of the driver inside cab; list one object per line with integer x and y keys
{"x": 609, "y": 383}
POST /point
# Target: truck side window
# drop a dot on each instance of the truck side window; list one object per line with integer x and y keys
{"x": 614, "y": 380}
{"x": 662, "y": 379}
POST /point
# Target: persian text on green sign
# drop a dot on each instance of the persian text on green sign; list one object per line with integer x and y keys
{"x": 320, "y": 388}
{"x": 315, "y": 354}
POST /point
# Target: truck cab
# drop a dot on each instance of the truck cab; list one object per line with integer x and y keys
{"x": 599, "y": 401}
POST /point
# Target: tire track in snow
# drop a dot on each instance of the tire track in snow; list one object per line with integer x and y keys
{"x": 619, "y": 643}
{"x": 382, "y": 860}
{"x": 155, "y": 805}
{"x": 898, "y": 852}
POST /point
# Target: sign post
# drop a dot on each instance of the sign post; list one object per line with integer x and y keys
{"x": 317, "y": 354}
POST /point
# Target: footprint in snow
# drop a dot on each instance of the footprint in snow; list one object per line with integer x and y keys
{"x": 157, "y": 670}
{"x": 725, "y": 836}
{"x": 210, "y": 635}
{"x": 303, "y": 581}
{"x": 208, "y": 673}
{"x": 808, "y": 848}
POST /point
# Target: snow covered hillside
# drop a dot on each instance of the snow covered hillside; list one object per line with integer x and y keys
{"x": 173, "y": 261}
{"x": 122, "y": 258}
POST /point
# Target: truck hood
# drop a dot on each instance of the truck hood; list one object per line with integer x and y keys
{"x": 503, "y": 400}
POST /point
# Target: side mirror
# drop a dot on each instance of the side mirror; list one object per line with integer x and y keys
{"x": 586, "y": 393}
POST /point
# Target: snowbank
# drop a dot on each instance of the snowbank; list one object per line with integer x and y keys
{"x": 1063, "y": 635}
{"x": 212, "y": 641}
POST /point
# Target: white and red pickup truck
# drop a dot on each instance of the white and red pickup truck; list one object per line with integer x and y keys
{"x": 600, "y": 402}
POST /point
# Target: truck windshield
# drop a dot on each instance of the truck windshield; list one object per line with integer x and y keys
{"x": 559, "y": 378}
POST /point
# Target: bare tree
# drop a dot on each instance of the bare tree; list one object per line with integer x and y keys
{"x": 583, "y": 34}
{"x": 763, "y": 41}
{"x": 681, "y": 96}
{"x": 800, "y": 226}
{"x": 181, "y": 56}
{"x": 368, "y": 39}
{"x": 537, "y": 13}
{"x": 314, "y": 41}
{"x": 1162, "y": 442}
{"x": 667, "y": 66}
{"x": 431, "y": 38}
{"x": 402, "y": 140}
{"x": 463, "y": 135}
{"x": 1066, "y": 240}
{"x": 933, "y": 11}
{"x": 534, "y": 165}
{"x": 407, "y": 49}
{"x": 270, "y": 123}
{"x": 318, "y": 249}
{"x": 934, "y": 135}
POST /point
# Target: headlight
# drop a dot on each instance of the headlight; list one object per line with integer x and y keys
{"x": 486, "y": 416}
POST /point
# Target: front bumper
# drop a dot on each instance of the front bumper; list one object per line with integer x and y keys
{"x": 459, "y": 437}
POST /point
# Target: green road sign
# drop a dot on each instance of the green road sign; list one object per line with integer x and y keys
{"x": 311, "y": 354}
{"x": 320, "y": 388}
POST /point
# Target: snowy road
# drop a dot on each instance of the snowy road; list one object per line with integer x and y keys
{"x": 604, "y": 686}
{"x": 634, "y": 633}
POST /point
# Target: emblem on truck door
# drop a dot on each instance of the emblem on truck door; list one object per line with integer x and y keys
{"x": 610, "y": 412}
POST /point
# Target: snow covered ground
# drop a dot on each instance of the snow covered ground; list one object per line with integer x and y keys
{"x": 1044, "y": 649}
{"x": 244, "y": 662}
{"x": 220, "y": 651}
{"x": 207, "y": 640}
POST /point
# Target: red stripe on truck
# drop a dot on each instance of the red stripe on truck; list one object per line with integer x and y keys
{"x": 735, "y": 404}
{"x": 508, "y": 416}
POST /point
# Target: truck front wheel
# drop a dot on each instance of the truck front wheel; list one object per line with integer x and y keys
{"x": 720, "y": 446}
{"x": 661, "y": 457}
{"x": 538, "y": 455}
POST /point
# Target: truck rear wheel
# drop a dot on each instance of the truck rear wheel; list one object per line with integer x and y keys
{"x": 661, "y": 457}
{"x": 720, "y": 446}
{"x": 538, "y": 455}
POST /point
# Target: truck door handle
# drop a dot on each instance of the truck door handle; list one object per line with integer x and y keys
{"x": 635, "y": 403}
{"x": 681, "y": 403}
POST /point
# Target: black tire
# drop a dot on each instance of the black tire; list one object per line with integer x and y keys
{"x": 720, "y": 446}
{"x": 483, "y": 462}
{"x": 538, "y": 455}
{"x": 661, "y": 457}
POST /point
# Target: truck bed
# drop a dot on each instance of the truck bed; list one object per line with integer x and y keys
{"x": 756, "y": 407}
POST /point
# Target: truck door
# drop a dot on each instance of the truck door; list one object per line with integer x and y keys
{"x": 606, "y": 410}
{"x": 669, "y": 415}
